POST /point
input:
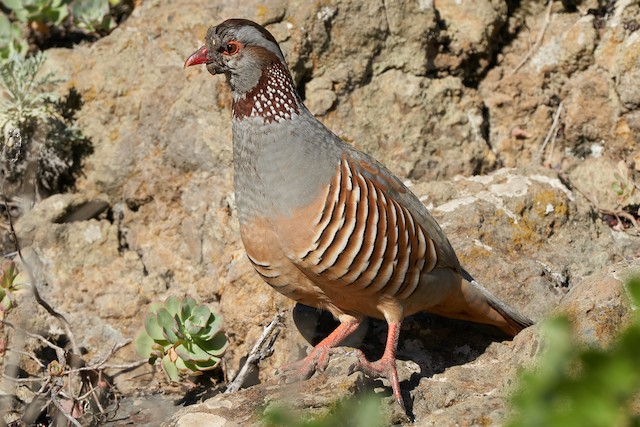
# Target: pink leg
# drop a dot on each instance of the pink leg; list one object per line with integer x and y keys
{"x": 386, "y": 366}
{"x": 318, "y": 359}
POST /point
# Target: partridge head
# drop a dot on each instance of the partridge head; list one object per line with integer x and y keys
{"x": 325, "y": 224}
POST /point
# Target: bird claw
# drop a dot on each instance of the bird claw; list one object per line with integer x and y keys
{"x": 383, "y": 368}
{"x": 316, "y": 361}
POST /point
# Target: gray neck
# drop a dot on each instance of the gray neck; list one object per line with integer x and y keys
{"x": 243, "y": 82}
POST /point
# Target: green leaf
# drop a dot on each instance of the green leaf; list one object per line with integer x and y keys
{"x": 55, "y": 16}
{"x": 168, "y": 325}
{"x": 208, "y": 333}
{"x": 215, "y": 346}
{"x": 172, "y": 305}
{"x": 188, "y": 368}
{"x": 5, "y": 27}
{"x": 143, "y": 343}
{"x": 12, "y": 4}
{"x": 212, "y": 328}
{"x": 20, "y": 280}
{"x": 208, "y": 364}
{"x": 198, "y": 354}
{"x": 191, "y": 328}
{"x": 153, "y": 329}
{"x": 9, "y": 273}
{"x": 171, "y": 369}
{"x": 200, "y": 315}
{"x": 6, "y": 302}
{"x": 91, "y": 14}
{"x": 154, "y": 307}
{"x": 183, "y": 352}
{"x": 182, "y": 366}
{"x": 186, "y": 307}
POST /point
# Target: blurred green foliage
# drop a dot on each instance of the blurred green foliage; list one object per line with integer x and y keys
{"x": 42, "y": 122}
{"x": 579, "y": 386}
{"x": 25, "y": 99}
{"x": 92, "y": 16}
{"x": 11, "y": 41}
{"x": 356, "y": 412}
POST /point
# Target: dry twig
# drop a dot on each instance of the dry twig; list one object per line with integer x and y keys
{"x": 67, "y": 415}
{"x": 551, "y": 135}
{"x": 261, "y": 350}
{"x": 536, "y": 45}
{"x": 617, "y": 212}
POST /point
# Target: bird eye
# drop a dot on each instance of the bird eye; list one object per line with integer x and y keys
{"x": 232, "y": 48}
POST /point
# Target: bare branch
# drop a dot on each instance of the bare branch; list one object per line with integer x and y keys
{"x": 56, "y": 403}
{"x": 60, "y": 352}
{"x": 261, "y": 349}
{"x": 103, "y": 367}
{"x": 24, "y": 380}
{"x": 534, "y": 48}
{"x": 617, "y": 212}
{"x": 29, "y": 355}
{"x": 47, "y": 307}
{"x": 552, "y": 132}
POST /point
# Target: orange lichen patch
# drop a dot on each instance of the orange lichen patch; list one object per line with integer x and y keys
{"x": 262, "y": 10}
{"x": 473, "y": 252}
{"x": 548, "y": 199}
{"x": 524, "y": 237}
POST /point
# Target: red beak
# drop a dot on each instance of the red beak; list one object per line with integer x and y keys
{"x": 197, "y": 57}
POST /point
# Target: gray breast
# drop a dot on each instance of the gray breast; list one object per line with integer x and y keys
{"x": 280, "y": 166}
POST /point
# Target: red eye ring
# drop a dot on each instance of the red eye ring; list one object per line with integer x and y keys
{"x": 232, "y": 48}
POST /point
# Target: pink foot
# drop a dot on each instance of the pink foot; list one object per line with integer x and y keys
{"x": 383, "y": 368}
{"x": 318, "y": 359}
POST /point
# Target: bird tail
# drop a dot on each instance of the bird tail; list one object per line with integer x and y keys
{"x": 515, "y": 321}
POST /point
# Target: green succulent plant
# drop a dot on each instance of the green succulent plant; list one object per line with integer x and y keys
{"x": 185, "y": 337}
{"x": 11, "y": 280}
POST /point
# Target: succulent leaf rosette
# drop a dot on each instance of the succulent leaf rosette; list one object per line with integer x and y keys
{"x": 11, "y": 280}
{"x": 186, "y": 337}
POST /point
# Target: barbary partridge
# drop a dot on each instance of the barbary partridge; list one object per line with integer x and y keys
{"x": 325, "y": 224}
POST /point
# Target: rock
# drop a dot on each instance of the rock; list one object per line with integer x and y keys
{"x": 246, "y": 406}
{"x": 320, "y": 98}
{"x": 599, "y": 307}
{"x": 628, "y": 72}
{"x": 575, "y": 65}
{"x": 458, "y": 104}
{"x": 471, "y": 34}
{"x": 578, "y": 40}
